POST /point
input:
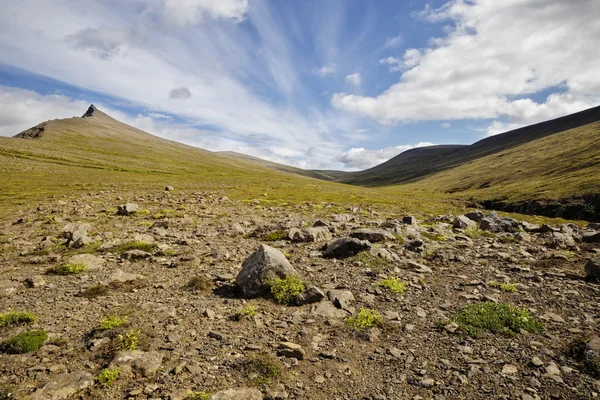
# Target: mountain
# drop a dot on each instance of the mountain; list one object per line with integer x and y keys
{"x": 417, "y": 163}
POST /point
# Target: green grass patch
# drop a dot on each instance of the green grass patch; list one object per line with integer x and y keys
{"x": 275, "y": 236}
{"x": 107, "y": 376}
{"x": 247, "y": 311}
{"x": 198, "y": 396}
{"x": 474, "y": 233}
{"x": 112, "y": 322}
{"x": 369, "y": 260}
{"x": 284, "y": 290}
{"x": 365, "y": 319}
{"x": 506, "y": 319}
{"x": 506, "y": 287}
{"x": 263, "y": 369}
{"x": 26, "y": 342}
{"x": 134, "y": 245}
{"x": 17, "y": 318}
{"x": 68, "y": 269}
{"x": 129, "y": 341}
{"x": 394, "y": 285}
{"x": 434, "y": 236}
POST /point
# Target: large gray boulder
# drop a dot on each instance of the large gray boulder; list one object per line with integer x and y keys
{"x": 64, "y": 386}
{"x": 592, "y": 269}
{"x": 77, "y": 234}
{"x": 127, "y": 209}
{"x": 259, "y": 268}
{"x": 313, "y": 234}
{"x": 345, "y": 247}
{"x": 238, "y": 394}
{"x": 463, "y": 222}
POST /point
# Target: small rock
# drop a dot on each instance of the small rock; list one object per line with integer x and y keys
{"x": 238, "y": 394}
{"x": 509, "y": 369}
{"x": 133, "y": 255}
{"x": 372, "y": 235}
{"x": 592, "y": 270}
{"x": 311, "y": 295}
{"x": 409, "y": 220}
{"x": 145, "y": 362}
{"x": 345, "y": 247}
{"x": 35, "y": 281}
{"x": 427, "y": 383}
{"x": 291, "y": 350}
{"x": 64, "y": 386}
{"x": 127, "y": 209}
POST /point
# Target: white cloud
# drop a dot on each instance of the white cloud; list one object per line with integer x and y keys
{"x": 325, "y": 70}
{"x": 446, "y": 125}
{"x": 190, "y": 12}
{"x": 103, "y": 42}
{"x": 180, "y": 93}
{"x": 394, "y": 41}
{"x": 493, "y": 59}
{"x": 360, "y": 158}
{"x": 354, "y": 79}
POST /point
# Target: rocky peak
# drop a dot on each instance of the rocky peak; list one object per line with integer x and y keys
{"x": 90, "y": 111}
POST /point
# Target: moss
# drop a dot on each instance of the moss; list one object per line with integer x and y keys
{"x": 129, "y": 341}
{"x": 506, "y": 319}
{"x": 197, "y": 396}
{"x": 94, "y": 291}
{"x": 16, "y": 318}
{"x": 198, "y": 283}
{"x": 133, "y": 245}
{"x": 369, "y": 260}
{"x": 247, "y": 311}
{"x": 112, "y": 322}
{"x": 284, "y": 290}
{"x": 68, "y": 269}
{"x": 474, "y": 233}
{"x": 394, "y": 285}
{"x": 26, "y": 342}
{"x": 365, "y": 319}
{"x": 263, "y": 368}
{"x": 275, "y": 236}
{"x": 107, "y": 376}
{"x": 170, "y": 253}
{"x": 507, "y": 287}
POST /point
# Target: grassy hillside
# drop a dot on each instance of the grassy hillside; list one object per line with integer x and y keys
{"x": 417, "y": 163}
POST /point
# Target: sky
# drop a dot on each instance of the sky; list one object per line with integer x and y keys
{"x": 319, "y": 84}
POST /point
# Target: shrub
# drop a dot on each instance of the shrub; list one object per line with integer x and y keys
{"x": 107, "y": 376}
{"x": 68, "y": 269}
{"x": 129, "y": 341}
{"x": 112, "y": 322}
{"x": 284, "y": 290}
{"x": 16, "y": 318}
{"x": 262, "y": 369}
{"x": 94, "y": 291}
{"x": 245, "y": 312}
{"x": 197, "y": 396}
{"x": 26, "y": 342}
{"x": 495, "y": 318}
{"x": 275, "y": 236}
{"x": 366, "y": 318}
{"x": 394, "y": 285}
{"x": 198, "y": 284}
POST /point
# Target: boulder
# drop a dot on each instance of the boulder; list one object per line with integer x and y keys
{"x": 409, "y": 220}
{"x": 91, "y": 261}
{"x": 311, "y": 295}
{"x": 9, "y": 288}
{"x": 124, "y": 277}
{"x": 313, "y": 234}
{"x": 326, "y": 309}
{"x": 592, "y": 270}
{"x": 345, "y": 247}
{"x": 238, "y": 394}
{"x": 77, "y": 234}
{"x": 35, "y": 281}
{"x": 259, "y": 268}
{"x": 342, "y": 299}
{"x": 372, "y": 235}
{"x": 386, "y": 254}
{"x": 476, "y": 216}
{"x": 559, "y": 240}
{"x": 127, "y": 209}
{"x": 591, "y": 237}
{"x": 531, "y": 228}
{"x": 64, "y": 386}
{"x": 147, "y": 363}
{"x": 463, "y": 222}
{"x": 133, "y": 255}
{"x": 291, "y": 350}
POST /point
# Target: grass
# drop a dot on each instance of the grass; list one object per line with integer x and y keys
{"x": 197, "y": 396}
{"x": 26, "y": 342}
{"x": 94, "y": 291}
{"x": 369, "y": 260}
{"x": 365, "y": 319}
{"x": 129, "y": 341}
{"x": 434, "y": 236}
{"x": 478, "y": 233}
{"x": 247, "y": 311}
{"x": 133, "y": 245}
{"x": 11, "y": 318}
{"x": 198, "y": 283}
{"x": 394, "y": 285}
{"x": 275, "y": 236}
{"x": 506, "y": 287}
{"x": 476, "y": 319}
{"x": 107, "y": 376}
{"x": 112, "y": 322}
{"x": 68, "y": 269}
{"x": 262, "y": 369}
{"x": 284, "y": 290}
{"x": 7, "y": 393}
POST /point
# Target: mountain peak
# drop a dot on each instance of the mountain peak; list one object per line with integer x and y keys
{"x": 90, "y": 111}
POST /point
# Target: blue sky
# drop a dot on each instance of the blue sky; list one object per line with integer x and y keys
{"x": 336, "y": 84}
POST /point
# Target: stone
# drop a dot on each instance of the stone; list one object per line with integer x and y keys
{"x": 463, "y": 222}
{"x": 64, "y": 386}
{"x": 372, "y": 235}
{"x": 476, "y": 216}
{"x": 509, "y": 369}
{"x": 77, "y": 234}
{"x": 238, "y": 394}
{"x": 169, "y": 189}
{"x": 35, "y": 281}
{"x": 123, "y": 277}
{"x": 136, "y": 254}
{"x": 291, "y": 350}
{"x": 591, "y": 237}
{"x": 326, "y": 309}
{"x": 427, "y": 383}
{"x": 561, "y": 240}
{"x": 277, "y": 392}
{"x": 342, "y": 299}
{"x": 418, "y": 267}
{"x": 535, "y": 361}
{"x": 386, "y": 254}
{"x": 313, "y": 234}
{"x": 345, "y": 247}
{"x": 127, "y": 209}
{"x": 91, "y": 261}
{"x": 147, "y": 363}
{"x": 259, "y": 268}
{"x": 552, "y": 369}
{"x": 531, "y": 228}
{"x": 311, "y": 295}
{"x": 592, "y": 269}
{"x": 9, "y": 288}
{"x": 409, "y": 220}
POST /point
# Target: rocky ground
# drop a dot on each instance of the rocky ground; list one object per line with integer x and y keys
{"x": 212, "y": 334}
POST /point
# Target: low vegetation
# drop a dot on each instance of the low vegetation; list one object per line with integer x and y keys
{"x": 26, "y": 342}
{"x": 284, "y": 290}
{"x": 129, "y": 341}
{"x": 478, "y": 233}
{"x": 94, "y": 291}
{"x": 16, "y": 318}
{"x": 369, "y": 260}
{"x": 365, "y": 319}
{"x": 198, "y": 283}
{"x": 198, "y": 396}
{"x": 434, "y": 236}
{"x": 275, "y": 236}
{"x": 68, "y": 269}
{"x": 107, "y": 376}
{"x": 247, "y": 311}
{"x": 112, "y": 322}
{"x": 506, "y": 287}
{"x": 476, "y": 319}
{"x": 394, "y": 285}
{"x": 262, "y": 369}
